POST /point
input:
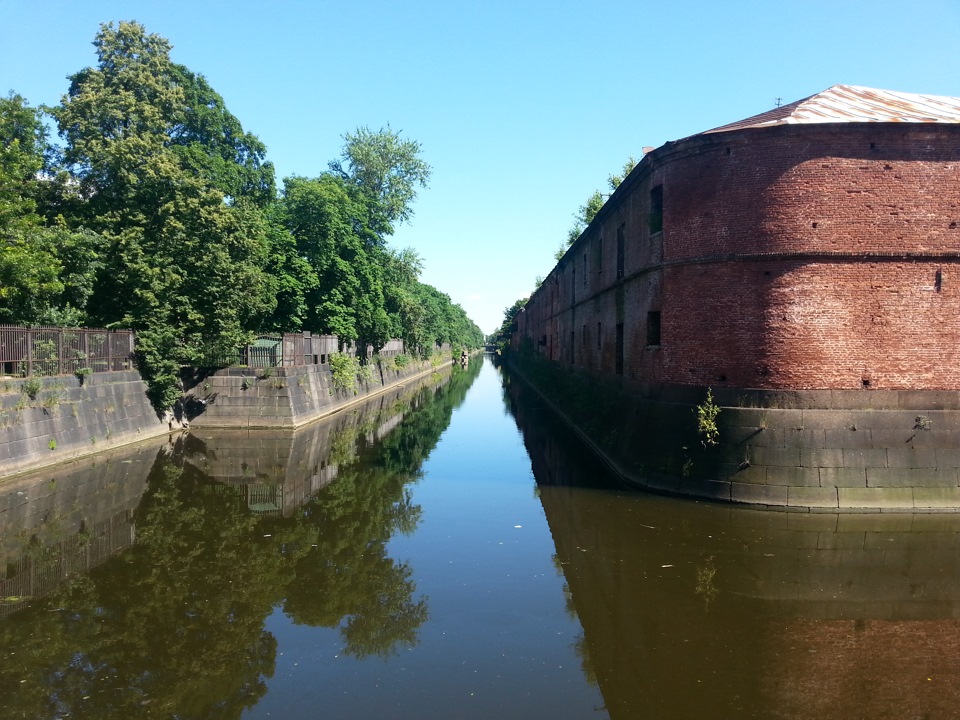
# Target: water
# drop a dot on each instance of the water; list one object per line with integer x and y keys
{"x": 421, "y": 556}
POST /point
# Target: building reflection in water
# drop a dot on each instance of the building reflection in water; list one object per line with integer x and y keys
{"x": 692, "y": 609}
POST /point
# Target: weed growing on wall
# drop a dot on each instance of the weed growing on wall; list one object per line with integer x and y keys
{"x": 707, "y": 412}
{"x": 31, "y": 386}
{"x": 364, "y": 373}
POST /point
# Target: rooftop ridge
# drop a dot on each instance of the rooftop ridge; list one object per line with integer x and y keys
{"x": 854, "y": 103}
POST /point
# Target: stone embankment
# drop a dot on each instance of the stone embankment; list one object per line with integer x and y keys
{"x": 48, "y": 420}
{"x": 839, "y": 450}
{"x": 287, "y": 396}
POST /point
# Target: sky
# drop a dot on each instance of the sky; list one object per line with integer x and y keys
{"x": 521, "y": 107}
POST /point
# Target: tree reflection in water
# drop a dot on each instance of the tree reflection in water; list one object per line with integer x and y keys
{"x": 174, "y": 626}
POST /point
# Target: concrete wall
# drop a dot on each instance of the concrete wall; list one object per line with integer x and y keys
{"x": 65, "y": 419}
{"x": 284, "y": 397}
{"x": 823, "y": 450}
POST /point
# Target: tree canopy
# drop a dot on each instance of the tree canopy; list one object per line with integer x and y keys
{"x": 159, "y": 212}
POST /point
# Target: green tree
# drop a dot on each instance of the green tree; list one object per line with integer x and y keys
{"x": 386, "y": 171}
{"x": 46, "y": 270}
{"x": 175, "y": 193}
{"x": 328, "y": 224}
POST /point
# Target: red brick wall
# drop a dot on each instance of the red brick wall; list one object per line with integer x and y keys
{"x": 800, "y": 256}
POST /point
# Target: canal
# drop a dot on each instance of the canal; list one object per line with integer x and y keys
{"x": 447, "y": 550}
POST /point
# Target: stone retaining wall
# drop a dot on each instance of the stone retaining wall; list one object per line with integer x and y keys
{"x": 283, "y": 396}
{"x": 826, "y": 450}
{"x": 61, "y": 418}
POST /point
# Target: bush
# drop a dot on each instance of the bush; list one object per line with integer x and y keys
{"x": 31, "y": 386}
{"x": 345, "y": 369}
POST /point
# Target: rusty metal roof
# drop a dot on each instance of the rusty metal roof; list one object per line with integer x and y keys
{"x": 850, "y": 103}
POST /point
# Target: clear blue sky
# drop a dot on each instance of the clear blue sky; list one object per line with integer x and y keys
{"x": 522, "y": 107}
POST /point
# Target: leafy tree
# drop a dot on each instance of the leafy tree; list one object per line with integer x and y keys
{"x": 386, "y": 171}
{"x": 289, "y": 277}
{"x": 23, "y": 142}
{"x": 327, "y": 223}
{"x": 46, "y": 272}
{"x": 182, "y": 265}
{"x": 211, "y": 142}
{"x": 502, "y": 336}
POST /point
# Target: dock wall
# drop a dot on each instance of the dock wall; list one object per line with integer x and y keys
{"x": 827, "y": 450}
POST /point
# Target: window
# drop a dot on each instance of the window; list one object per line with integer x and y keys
{"x": 600, "y": 255}
{"x": 599, "y": 334}
{"x": 653, "y": 327}
{"x": 619, "y": 348}
{"x": 620, "y": 250}
{"x": 656, "y": 209}
{"x": 583, "y": 338}
{"x": 584, "y": 269}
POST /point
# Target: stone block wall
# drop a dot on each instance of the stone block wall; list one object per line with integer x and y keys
{"x": 61, "y": 418}
{"x": 853, "y": 450}
{"x": 284, "y": 396}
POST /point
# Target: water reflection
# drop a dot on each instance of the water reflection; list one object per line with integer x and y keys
{"x": 226, "y": 529}
{"x": 695, "y": 610}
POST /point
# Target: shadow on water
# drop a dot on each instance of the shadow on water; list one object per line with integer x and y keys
{"x": 698, "y": 610}
{"x": 139, "y": 585}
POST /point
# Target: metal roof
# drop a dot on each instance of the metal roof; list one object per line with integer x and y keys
{"x": 850, "y": 103}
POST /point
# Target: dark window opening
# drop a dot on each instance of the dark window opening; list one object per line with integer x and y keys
{"x": 620, "y": 251}
{"x": 619, "y": 348}
{"x": 584, "y": 269}
{"x": 599, "y": 334}
{"x": 583, "y": 338}
{"x": 600, "y": 255}
{"x": 572, "y": 347}
{"x": 653, "y": 327}
{"x": 656, "y": 209}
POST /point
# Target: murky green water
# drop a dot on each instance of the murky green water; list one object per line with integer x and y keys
{"x": 422, "y": 557}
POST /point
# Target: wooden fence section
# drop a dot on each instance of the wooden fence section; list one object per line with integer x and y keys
{"x": 63, "y": 351}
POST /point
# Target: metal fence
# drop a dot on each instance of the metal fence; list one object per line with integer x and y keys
{"x": 294, "y": 349}
{"x": 63, "y": 351}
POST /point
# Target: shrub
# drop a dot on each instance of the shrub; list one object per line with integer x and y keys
{"x": 344, "y": 368}
{"x": 32, "y": 386}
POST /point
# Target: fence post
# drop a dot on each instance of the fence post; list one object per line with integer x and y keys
{"x": 29, "y": 352}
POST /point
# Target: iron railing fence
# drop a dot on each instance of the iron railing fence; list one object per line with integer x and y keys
{"x": 45, "y": 351}
{"x": 63, "y": 351}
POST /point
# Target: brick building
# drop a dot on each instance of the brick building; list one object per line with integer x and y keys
{"x": 812, "y": 248}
